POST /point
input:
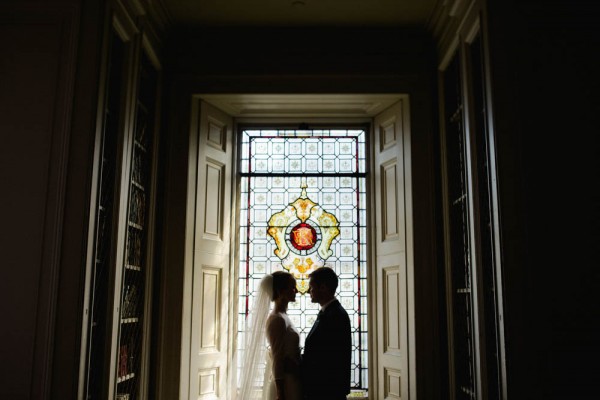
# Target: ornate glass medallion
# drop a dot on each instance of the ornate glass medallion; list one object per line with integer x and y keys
{"x": 303, "y": 233}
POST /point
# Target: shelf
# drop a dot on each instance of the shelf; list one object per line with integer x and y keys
{"x": 468, "y": 391}
{"x": 133, "y": 267}
{"x": 137, "y": 185}
{"x": 136, "y": 226}
{"x": 457, "y": 115}
{"x": 129, "y": 320}
{"x": 140, "y": 146}
{"x": 459, "y": 200}
{"x": 125, "y": 377}
{"x": 358, "y": 395}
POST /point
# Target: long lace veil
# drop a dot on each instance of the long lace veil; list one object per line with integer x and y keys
{"x": 254, "y": 356}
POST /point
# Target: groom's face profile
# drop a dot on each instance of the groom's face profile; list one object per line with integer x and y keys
{"x": 315, "y": 292}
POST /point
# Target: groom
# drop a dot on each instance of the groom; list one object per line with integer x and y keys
{"x": 327, "y": 349}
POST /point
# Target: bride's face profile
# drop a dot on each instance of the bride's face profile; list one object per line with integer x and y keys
{"x": 290, "y": 291}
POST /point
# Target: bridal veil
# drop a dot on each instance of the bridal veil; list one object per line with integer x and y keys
{"x": 255, "y": 351}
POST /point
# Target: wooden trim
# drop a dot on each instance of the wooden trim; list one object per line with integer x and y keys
{"x": 372, "y": 263}
{"x": 473, "y": 212}
{"x": 464, "y": 31}
{"x": 446, "y": 234}
{"x": 122, "y": 22}
{"x": 91, "y": 234}
{"x": 448, "y": 55}
{"x": 150, "y": 49}
{"x": 410, "y": 251}
{"x": 150, "y": 247}
{"x": 124, "y": 160}
{"x": 234, "y": 257}
{"x": 190, "y": 240}
{"x": 495, "y": 202}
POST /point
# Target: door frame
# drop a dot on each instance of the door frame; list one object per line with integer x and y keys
{"x": 173, "y": 336}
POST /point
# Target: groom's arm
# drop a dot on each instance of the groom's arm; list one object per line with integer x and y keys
{"x": 344, "y": 351}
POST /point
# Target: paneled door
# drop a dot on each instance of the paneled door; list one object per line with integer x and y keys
{"x": 393, "y": 270}
{"x": 211, "y": 255}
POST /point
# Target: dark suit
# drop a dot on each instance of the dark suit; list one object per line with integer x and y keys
{"x": 327, "y": 356}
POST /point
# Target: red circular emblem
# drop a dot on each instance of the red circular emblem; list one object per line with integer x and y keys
{"x": 303, "y": 236}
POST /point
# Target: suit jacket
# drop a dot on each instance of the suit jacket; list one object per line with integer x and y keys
{"x": 327, "y": 355}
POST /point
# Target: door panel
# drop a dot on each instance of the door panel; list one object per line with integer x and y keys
{"x": 210, "y": 270}
{"x": 393, "y": 261}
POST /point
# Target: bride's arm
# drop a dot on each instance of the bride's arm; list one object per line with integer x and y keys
{"x": 276, "y": 328}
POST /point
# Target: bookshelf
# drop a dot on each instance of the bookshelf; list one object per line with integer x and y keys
{"x": 119, "y": 291}
{"x": 460, "y": 263}
{"x": 135, "y": 294}
{"x": 473, "y": 306}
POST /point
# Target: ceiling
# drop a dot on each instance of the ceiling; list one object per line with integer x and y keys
{"x": 380, "y": 13}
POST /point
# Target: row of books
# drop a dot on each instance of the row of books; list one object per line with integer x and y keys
{"x": 125, "y": 361}
{"x": 130, "y": 302}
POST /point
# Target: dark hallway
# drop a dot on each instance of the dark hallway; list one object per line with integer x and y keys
{"x": 75, "y": 72}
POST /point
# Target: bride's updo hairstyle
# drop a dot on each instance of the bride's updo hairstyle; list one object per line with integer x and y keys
{"x": 281, "y": 281}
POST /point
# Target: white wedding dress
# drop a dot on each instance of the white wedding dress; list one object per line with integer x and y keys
{"x": 284, "y": 357}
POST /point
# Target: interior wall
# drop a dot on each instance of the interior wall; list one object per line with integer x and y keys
{"x": 48, "y": 76}
{"x": 319, "y": 60}
{"x": 544, "y": 59}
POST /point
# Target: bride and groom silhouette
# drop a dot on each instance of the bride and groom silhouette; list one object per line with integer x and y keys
{"x": 322, "y": 372}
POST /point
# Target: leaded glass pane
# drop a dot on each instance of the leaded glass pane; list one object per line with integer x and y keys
{"x": 325, "y": 169}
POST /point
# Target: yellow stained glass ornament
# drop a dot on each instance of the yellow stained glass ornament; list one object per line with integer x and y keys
{"x": 296, "y": 241}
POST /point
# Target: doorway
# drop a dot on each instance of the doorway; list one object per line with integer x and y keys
{"x": 211, "y": 265}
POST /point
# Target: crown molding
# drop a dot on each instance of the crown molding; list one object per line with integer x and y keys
{"x": 302, "y": 105}
{"x": 448, "y": 19}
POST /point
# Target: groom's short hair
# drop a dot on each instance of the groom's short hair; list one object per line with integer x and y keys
{"x": 326, "y": 276}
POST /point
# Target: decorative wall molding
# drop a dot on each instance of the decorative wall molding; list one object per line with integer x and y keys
{"x": 213, "y": 211}
{"x": 208, "y": 383}
{"x": 389, "y": 197}
{"x": 301, "y": 105}
{"x": 211, "y": 309}
{"x": 387, "y": 132}
{"x": 447, "y": 20}
{"x": 217, "y": 134}
{"x": 391, "y": 305}
{"x": 393, "y": 384}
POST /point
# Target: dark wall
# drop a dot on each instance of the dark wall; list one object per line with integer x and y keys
{"x": 48, "y": 80}
{"x": 292, "y": 60}
{"x": 544, "y": 60}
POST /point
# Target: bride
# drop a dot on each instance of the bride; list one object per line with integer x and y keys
{"x": 282, "y": 375}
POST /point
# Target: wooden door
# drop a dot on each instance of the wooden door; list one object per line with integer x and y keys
{"x": 394, "y": 373}
{"x": 211, "y": 256}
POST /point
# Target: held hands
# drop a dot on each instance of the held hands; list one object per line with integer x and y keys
{"x": 280, "y": 391}
{"x": 291, "y": 366}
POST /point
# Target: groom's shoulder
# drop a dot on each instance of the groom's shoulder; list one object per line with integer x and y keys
{"x": 339, "y": 308}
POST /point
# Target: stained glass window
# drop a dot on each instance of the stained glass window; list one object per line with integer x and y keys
{"x": 303, "y": 206}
